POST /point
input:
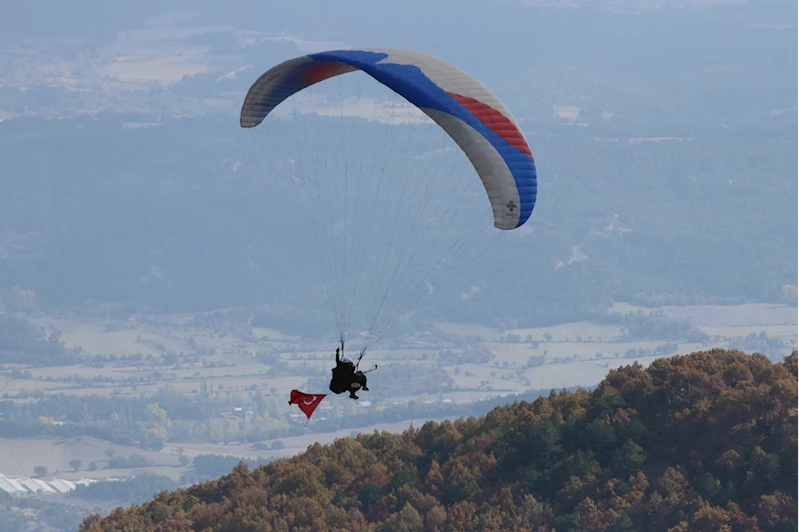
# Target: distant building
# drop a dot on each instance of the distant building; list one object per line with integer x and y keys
{"x": 30, "y": 486}
{"x": 36, "y": 485}
{"x": 17, "y": 484}
{"x": 9, "y": 485}
{"x": 62, "y": 486}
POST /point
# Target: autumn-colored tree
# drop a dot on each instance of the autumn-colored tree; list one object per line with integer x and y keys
{"x": 704, "y": 442}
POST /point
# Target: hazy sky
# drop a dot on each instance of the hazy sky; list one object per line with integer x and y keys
{"x": 665, "y": 139}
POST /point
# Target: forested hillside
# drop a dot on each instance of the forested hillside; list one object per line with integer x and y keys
{"x": 706, "y": 441}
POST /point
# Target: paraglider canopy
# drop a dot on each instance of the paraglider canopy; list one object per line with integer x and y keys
{"x": 470, "y": 113}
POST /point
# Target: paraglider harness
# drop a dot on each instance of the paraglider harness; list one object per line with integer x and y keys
{"x": 342, "y": 382}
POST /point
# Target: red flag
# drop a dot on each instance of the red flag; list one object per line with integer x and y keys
{"x": 306, "y": 401}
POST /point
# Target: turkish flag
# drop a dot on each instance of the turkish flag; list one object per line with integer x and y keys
{"x": 306, "y": 401}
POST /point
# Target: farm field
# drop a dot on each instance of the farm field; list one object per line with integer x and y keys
{"x": 144, "y": 356}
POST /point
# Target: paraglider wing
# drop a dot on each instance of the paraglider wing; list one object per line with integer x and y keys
{"x": 306, "y": 401}
{"x": 471, "y": 114}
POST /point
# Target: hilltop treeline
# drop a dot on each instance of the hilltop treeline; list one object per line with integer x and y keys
{"x": 706, "y": 441}
{"x": 22, "y": 342}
